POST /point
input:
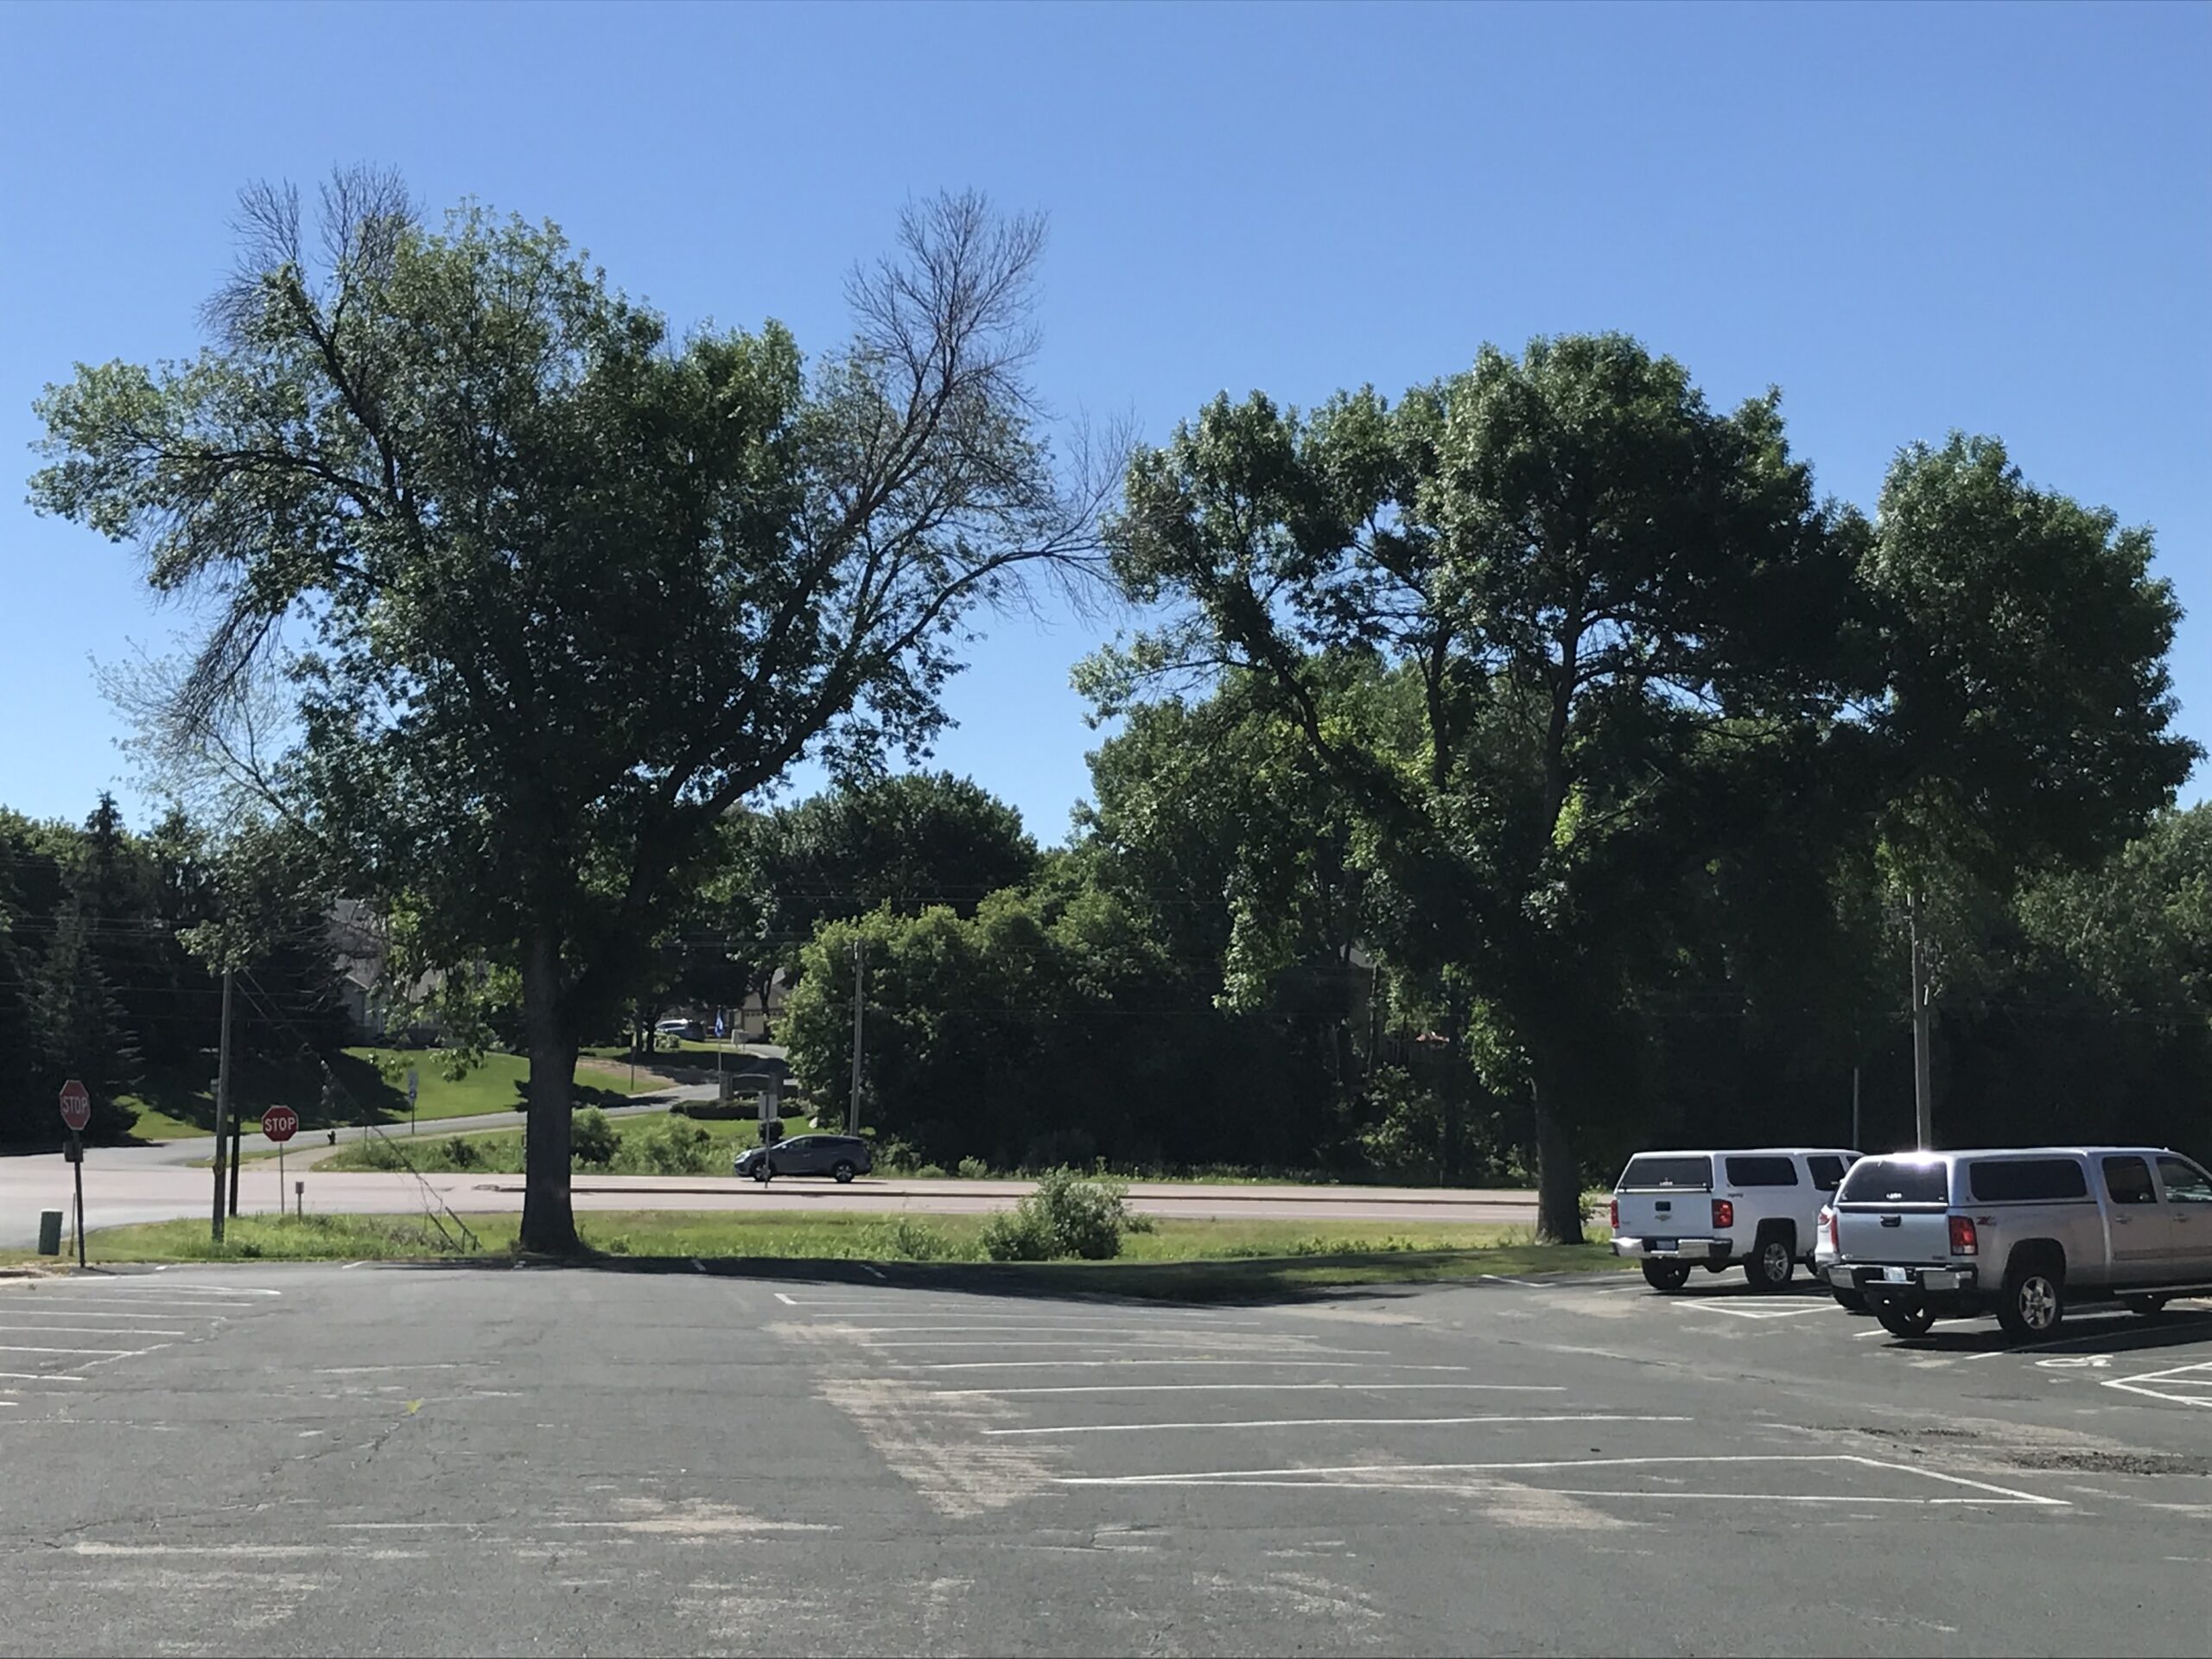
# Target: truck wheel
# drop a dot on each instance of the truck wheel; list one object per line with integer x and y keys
{"x": 1771, "y": 1265}
{"x": 2145, "y": 1308}
{"x": 1904, "y": 1321}
{"x": 1666, "y": 1275}
{"x": 1851, "y": 1301}
{"x": 2034, "y": 1301}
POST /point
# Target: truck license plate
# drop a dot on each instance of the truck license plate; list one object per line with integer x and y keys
{"x": 1896, "y": 1277}
{"x": 1666, "y": 1244}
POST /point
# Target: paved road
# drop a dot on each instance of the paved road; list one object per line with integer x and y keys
{"x": 122, "y": 1186}
{"x": 318, "y": 1461}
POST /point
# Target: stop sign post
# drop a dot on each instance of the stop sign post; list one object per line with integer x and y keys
{"x": 280, "y": 1124}
{"x": 76, "y": 1112}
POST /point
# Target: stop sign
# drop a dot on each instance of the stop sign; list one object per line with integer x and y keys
{"x": 76, "y": 1105}
{"x": 280, "y": 1123}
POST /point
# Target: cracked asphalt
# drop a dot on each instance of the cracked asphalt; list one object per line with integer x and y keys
{"x": 317, "y": 1460}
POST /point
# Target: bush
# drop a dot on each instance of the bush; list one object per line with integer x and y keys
{"x": 459, "y": 1152}
{"x": 669, "y": 1147}
{"x": 1067, "y": 1215}
{"x": 908, "y": 1240}
{"x": 592, "y": 1140}
{"x": 974, "y": 1169}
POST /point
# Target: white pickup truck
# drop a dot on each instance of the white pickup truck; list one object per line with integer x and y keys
{"x": 1760, "y": 1208}
{"x": 2021, "y": 1232}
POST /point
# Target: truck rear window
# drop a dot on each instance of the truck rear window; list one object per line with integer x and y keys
{"x": 1895, "y": 1180}
{"x": 1762, "y": 1172}
{"x": 2024, "y": 1180}
{"x": 1669, "y": 1171}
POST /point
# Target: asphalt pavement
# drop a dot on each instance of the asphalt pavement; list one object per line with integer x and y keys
{"x": 841, "y": 1460}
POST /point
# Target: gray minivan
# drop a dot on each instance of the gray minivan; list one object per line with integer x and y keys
{"x": 841, "y": 1157}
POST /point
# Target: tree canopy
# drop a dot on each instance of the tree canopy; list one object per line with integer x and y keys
{"x": 569, "y": 585}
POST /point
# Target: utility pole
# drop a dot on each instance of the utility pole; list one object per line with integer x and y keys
{"x": 222, "y": 1100}
{"x": 238, "y": 1124}
{"x": 1923, "y": 1086}
{"x": 1857, "y": 1141}
{"x": 860, "y": 1003}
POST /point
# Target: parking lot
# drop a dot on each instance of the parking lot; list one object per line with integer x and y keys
{"x": 324, "y": 1460}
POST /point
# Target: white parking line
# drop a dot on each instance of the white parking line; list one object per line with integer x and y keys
{"x": 1320, "y": 1476}
{"x": 1197, "y": 1339}
{"x": 111, "y": 1353}
{"x": 95, "y": 1331}
{"x": 1085, "y": 1364}
{"x": 1258, "y": 1388}
{"x": 2176, "y": 1377}
{"x": 159, "y": 1306}
{"x": 1091, "y": 1329}
{"x": 42, "y": 1377}
{"x": 1748, "y": 1312}
{"x": 1340, "y": 1422}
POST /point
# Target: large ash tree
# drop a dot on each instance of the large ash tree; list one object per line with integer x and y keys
{"x": 553, "y": 588}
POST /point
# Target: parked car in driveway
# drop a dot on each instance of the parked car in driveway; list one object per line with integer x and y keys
{"x": 1756, "y": 1208}
{"x": 840, "y": 1157}
{"x": 2021, "y": 1232}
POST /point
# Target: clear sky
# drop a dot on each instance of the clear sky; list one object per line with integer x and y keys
{"x": 1910, "y": 218}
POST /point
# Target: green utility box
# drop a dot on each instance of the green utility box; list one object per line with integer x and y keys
{"x": 49, "y": 1232}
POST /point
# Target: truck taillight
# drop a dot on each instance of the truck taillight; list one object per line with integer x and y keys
{"x": 1724, "y": 1213}
{"x": 1964, "y": 1239}
{"x": 1614, "y": 1215}
{"x": 1830, "y": 1230}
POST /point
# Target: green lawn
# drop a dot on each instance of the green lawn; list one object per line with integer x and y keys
{"x": 500, "y": 1151}
{"x": 176, "y": 1103}
{"x": 1180, "y": 1260}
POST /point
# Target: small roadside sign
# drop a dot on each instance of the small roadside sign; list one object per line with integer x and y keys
{"x": 280, "y": 1123}
{"x": 414, "y": 1084}
{"x": 76, "y": 1105}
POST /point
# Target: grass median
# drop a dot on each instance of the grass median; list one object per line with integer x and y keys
{"x": 1177, "y": 1259}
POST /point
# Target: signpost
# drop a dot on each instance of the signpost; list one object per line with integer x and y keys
{"x": 76, "y": 1112}
{"x": 414, "y": 1083}
{"x": 280, "y": 1124}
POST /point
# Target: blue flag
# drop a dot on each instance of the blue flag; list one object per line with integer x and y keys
{"x": 718, "y": 1022}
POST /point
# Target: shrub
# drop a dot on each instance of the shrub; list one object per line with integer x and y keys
{"x": 460, "y": 1153}
{"x": 1018, "y": 1234}
{"x": 670, "y": 1148}
{"x": 592, "y": 1140}
{"x": 1067, "y": 1215}
{"x": 974, "y": 1169}
{"x": 908, "y": 1240}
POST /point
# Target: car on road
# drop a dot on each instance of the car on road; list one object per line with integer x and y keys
{"x": 688, "y": 1030}
{"x": 2021, "y": 1232}
{"x": 840, "y": 1157}
{"x": 1758, "y": 1208}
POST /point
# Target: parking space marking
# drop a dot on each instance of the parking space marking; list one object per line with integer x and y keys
{"x": 95, "y": 1331}
{"x": 111, "y": 1353}
{"x": 2189, "y": 1377}
{"x": 1293, "y": 1343}
{"x": 1085, "y": 1364}
{"x": 1747, "y": 1312}
{"x": 1323, "y": 1475}
{"x": 42, "y": 1377}
{"x": 1342, "y": 1422}
{"x": 1256, "y": 1388}
{"x": 1097, "y": 1330}
{"x": 159, "y": 1306}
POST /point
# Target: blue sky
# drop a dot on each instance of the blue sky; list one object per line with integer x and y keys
{"x": 1910, "y": 218}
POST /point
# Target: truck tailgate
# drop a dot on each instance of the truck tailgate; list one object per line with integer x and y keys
{"x": 1665, "y": 1215}
{"x": 1896, "y": 1232}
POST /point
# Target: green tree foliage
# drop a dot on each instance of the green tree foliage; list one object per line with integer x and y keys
{"x": 575, "y": 586}
{"x": 1617, "y": 622}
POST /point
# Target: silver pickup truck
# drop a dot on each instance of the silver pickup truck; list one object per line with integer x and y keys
{"x": 2019, "y": 1233}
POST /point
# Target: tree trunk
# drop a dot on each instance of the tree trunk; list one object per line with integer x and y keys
{"x": 549, "y": 1222}
{"x": 1559, "y": 1175}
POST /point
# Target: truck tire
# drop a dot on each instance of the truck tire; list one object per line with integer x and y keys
{"x": 1666, "y": 1275}
{"x": 1773, "y": 1260}
{"x": 1900, "y": 1321}
{"x": 2034, "y": 1301}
